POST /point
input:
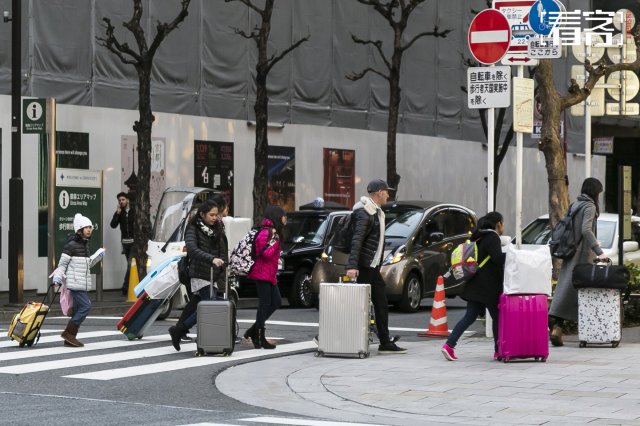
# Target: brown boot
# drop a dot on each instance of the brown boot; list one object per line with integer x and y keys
{"x": 556, "y": 336}
{"x": 69, "y": 335}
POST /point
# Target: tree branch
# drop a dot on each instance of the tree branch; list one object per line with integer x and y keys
{"x": 254, "y": 34}
{"x": 434, "y": 33}
{"x": 248, "y": 3}
{"x": 163, "y": 29}
{"x": 275, "y": 59}
{"x": 376, "y": 43}
{"x": 120, "y": 50}
{"x": 357, "y": 76}
{"x": 387, "y": 11}
{"x": 577, "y": 94}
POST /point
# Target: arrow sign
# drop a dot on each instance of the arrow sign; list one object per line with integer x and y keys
{"x": 489, "y": 36}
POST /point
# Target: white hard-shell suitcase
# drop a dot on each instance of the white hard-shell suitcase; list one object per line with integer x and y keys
{"x": 599, "y": 319}
{"x": 344, "y": 320}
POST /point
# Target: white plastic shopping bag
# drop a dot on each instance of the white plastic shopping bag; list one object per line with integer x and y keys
{"x": 527, "y": 271}
{"x": 165, "y": 282}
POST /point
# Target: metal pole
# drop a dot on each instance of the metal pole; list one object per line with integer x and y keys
{"x": 16, "y": 206}
{"x": 519, "y": 174}
{"x": 491, "y": 118}
{"x": 621, "y": 213}
{"x": 51, "y": 185}
{"x": 587, "y": 121}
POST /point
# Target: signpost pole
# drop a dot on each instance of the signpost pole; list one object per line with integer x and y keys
{"x": 519, "y": 174}
{"x": 587, "y": 120}
{"x": 491, "y": 118}
{"x": 51, "y": 186}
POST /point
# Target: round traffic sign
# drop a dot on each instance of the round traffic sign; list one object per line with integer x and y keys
{"x": 489, "y": 36}
{"x": 628, "y": 17}
{"x": 580, "y": 52}
{"x": 631, "y": 85}
{"x": 543, "y": 16}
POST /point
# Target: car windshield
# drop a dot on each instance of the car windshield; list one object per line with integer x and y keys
{"x": 170, "y": 213}
{"x": 402, "y": 227}
{"x": 310, "y": 228}
{"x": 538, "y": 232}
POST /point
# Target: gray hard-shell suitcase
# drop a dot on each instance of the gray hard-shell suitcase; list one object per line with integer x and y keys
{"x": 216, "y": 326}
{"x": 599, "y": 316}
{"x": 344, "y": 320}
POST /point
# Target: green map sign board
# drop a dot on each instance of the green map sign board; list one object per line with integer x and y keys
{"x": 34, "y": 116}
{"x": 77, "y": 191}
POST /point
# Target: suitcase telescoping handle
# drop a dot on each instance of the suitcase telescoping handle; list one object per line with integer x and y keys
{"x": 224, "y": 293}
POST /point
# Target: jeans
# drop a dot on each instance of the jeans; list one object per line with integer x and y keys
{"x": 269, "y": 301}
{"x": 81, "y": 306}
{"x": 127, "y": 250}
{"x": 190, "y": 312}
{"x": 474, "y": 309}
{"x": 379, "y": 298}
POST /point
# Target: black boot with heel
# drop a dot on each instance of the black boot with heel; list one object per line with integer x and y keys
{"x": 263, "y": 340}
{"x": 252, "y": 333}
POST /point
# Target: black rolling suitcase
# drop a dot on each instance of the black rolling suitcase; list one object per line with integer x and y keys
{"x": 216, "y": 325}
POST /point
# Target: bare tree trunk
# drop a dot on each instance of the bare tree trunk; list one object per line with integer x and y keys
{"x": 142, "y": 127}
{"x": 393, "y": 178}
{"x": 550, "y": 143}
{"x": 260, "y": 151}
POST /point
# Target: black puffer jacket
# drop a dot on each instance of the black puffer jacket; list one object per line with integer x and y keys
{"x": 486, "y": 285}
{"x": 202, "y": 249}
{"x": 366, "y": 236}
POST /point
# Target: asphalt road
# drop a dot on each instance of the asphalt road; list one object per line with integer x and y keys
{"x": 114, "y": 381}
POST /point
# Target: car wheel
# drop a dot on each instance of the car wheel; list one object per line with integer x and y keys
{"x": 411, "y": 294}
{"x": 300, "y": 295}
{"x": 166, "y": 309}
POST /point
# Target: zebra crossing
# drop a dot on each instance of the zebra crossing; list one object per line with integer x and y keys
{"x": 118, "y": 352}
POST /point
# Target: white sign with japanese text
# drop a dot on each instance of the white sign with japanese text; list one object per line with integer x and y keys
{"x": 543, "y": 48}
{"x": 522, "y": 105}
{"x": 488, "y": 87}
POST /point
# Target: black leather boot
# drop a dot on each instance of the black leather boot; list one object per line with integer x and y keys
{"x": 176, "y": 333}
{"x": 252, "y": 333}
{"x": 263, "y": 340}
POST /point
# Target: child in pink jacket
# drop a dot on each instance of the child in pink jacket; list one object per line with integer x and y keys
{"x": 263, "y": 273}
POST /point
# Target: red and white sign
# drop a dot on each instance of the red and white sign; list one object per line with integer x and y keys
{"x": 517, "y": 13}
{"x": 489, "y": 36}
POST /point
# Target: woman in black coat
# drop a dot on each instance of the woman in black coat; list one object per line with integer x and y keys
{"x": 483, "y": 290}
{"x": 207, "y": 250}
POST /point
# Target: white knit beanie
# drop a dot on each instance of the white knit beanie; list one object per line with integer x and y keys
{"x": 80, "y": 222}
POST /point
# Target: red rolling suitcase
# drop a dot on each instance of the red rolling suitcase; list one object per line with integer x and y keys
{"x": 523, "y": 330}
{"x": 140, "y": 316}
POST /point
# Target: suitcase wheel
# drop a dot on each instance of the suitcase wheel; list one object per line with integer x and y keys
{"x": 615, "y": 344}
{"x": 543, "y": 359}
{"x": 505, "y": 359}
{"x": 583, "y": 344}
{"x": 21, "y": 344}
{"x": 319, "y": 353}
{"x": 200, "y": 352}
{"x": 226, "y": 353}
{"x": 29, "y": 344}
{"x": 363, "y": 355}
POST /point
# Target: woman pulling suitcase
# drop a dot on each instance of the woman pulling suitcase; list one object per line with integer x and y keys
{"x": 208, "y": 253}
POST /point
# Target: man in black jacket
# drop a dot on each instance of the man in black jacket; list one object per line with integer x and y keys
{"x": 124, "y": 217}
{"x": 365, "y": 258}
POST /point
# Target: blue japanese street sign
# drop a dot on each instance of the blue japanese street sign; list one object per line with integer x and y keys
{"x": 543, "y": 16}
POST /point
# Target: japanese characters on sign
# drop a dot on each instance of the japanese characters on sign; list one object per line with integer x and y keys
{"x": 543, "y": 48}
{"x": 489, "y": 87}
{"x": 522, "y": 105}
{"x": 568, "y": 27}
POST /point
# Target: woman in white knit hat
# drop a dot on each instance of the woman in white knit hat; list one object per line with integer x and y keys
{"x": 75, "y": 263}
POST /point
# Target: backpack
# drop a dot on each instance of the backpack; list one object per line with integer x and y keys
{"x": 562, "y": 243}
{"x": 183, "y": 271}
{"x": 243, "y": 256}
{"x": 464, "y": 261}
{"x": 343, "y": 233}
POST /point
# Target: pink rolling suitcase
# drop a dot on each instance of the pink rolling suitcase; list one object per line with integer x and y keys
{"x": 523, "y": 327}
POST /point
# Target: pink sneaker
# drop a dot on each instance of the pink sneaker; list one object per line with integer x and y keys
{"x": 448, "y": 352}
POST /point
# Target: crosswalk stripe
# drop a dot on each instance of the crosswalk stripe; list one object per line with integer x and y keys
{"x": 49, "y": 339}
{"x": 141, "y": 370}
{"x": 315, "y": 324}
{"x": 57, "y": 350}
{"x": 91, "y": 360}
{"x": 42, "y": 331}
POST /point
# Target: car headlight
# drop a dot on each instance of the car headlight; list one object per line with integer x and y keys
{"x": 396, "y": 256}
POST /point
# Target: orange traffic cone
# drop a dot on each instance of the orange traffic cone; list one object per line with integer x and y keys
{"x": 133, "y": 281}
{"x": 438, "y": 323}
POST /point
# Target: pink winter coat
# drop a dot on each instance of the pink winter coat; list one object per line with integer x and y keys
{"x": 266, "y": 266}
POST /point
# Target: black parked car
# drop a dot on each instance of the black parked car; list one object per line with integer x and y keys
{"x": 305, "y": 236}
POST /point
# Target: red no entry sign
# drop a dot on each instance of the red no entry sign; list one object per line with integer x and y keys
{"x": 489, "y": 36}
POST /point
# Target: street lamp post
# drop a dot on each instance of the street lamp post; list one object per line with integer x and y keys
{"x": 16, "y": 202}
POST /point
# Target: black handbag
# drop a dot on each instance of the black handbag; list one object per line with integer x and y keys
{"x": 601, "y": 275}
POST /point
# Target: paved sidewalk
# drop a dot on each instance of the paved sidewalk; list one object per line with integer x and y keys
{"x": 594, "y": 385}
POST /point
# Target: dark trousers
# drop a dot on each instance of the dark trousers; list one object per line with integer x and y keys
{"x": 189, "y": 316}
{"x": 379, "y": 298}
{"x": 81, "y": 306}
{"x": 127, "y": 250}
{"x": 474, "y": 310}
{"x": 269, "y": 301}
